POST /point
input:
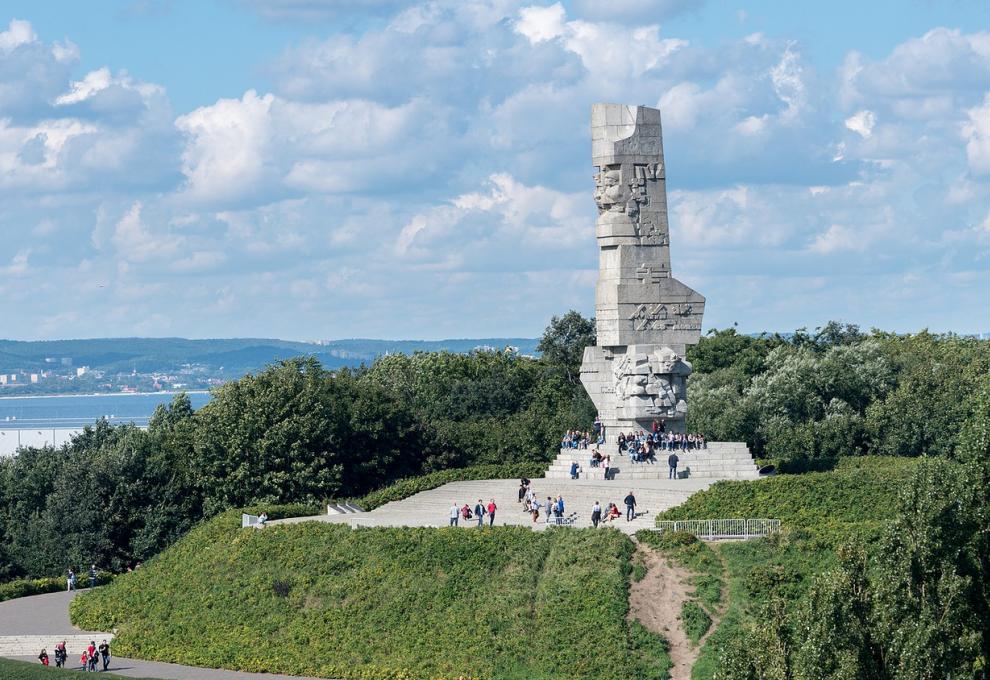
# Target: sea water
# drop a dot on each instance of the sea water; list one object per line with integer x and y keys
{"x": 79, "y": 410}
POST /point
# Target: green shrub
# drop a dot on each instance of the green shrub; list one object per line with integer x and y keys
{"x": 408, "y": 487}
{"x": 638, "y": 572}
{"x": 859, "y": 491}
{"x": 651, "y": 653}
{"x": 39, "y": 586}
{"x": 381, "y": 603}
{"x": 695, "y": 620}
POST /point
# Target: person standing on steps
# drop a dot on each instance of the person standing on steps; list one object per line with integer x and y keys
{"x": 491, "y": 513}
{"x": 479, "y": 513}
{"x": 596, "y": 514}
{"x": 672, "y": 462}
{"x": 104, "y": 650}
{"x": 574, "y": 469}
{"x": 455, "y": 512}
{"x": 607, "y": 464}
{"x": 630, "y": 501}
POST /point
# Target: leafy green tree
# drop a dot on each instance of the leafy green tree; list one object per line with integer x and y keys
{"x": 564, "y": 340}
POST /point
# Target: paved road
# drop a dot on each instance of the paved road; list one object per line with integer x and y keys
{"x": 49, "y": 615}
{"x": 38, "y": 615}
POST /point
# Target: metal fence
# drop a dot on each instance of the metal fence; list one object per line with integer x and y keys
{"x": 714, "y": 529}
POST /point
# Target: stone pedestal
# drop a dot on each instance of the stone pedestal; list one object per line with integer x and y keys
{"x": 636, "y": 372}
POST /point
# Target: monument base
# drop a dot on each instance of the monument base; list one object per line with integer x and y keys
{"x": 720, "y": 460}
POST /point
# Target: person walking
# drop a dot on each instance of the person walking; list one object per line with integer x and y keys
{"x": 60, "y": 654}
{"x": 71, "y": 580}
{"x": 43, "y": 658}
{"x": 596, "y": 514}
{"x": 479, "y": 513}
{"x": 630, "y": 501}
{"x": 672, "y": 462}
{"x": 92, "y": 575}
{"x": 91, "y": 653}
{"x": 455, "y": 512}
{"x": 607, "y": 464}
{"x": 574, "y": 469}
{"x": 550, "y": 508}
{"x": 104, "y": 651}
{"x": 491, "y": 513}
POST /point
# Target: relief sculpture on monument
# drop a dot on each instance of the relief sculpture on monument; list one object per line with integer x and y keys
{"x": 636, "y": 373}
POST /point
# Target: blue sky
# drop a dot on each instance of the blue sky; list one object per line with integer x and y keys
{"x": 322, "y": 169}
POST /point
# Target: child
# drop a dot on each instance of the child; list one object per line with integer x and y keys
{"x": 43, "y": 658}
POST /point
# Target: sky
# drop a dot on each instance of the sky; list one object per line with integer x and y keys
{"x": 320, "y": 169}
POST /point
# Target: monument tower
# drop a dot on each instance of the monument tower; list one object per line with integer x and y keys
{"x": 636, "y": 373}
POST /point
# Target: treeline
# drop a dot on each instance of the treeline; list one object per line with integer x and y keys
{"x": 294, "y": 433}
{"x": 298, "y": 433}
{"x": 807, "y": 399}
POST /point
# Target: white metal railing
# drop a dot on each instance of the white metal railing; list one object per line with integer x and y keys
{"x": 714, "y": 529}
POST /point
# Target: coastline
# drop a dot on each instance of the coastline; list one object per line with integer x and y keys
{"x": 104, "y": 394}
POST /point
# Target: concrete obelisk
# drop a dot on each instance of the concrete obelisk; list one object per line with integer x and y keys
{"x": 636, "y": 373}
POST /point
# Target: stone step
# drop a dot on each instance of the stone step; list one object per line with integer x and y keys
{"x": 31, "y": 645}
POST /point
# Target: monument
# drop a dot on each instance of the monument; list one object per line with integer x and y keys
{"x": 636, "y": 373}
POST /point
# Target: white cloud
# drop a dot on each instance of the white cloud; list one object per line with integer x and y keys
{"x": 539, "y": 24}
{"x": 836, "y": 238}
{"x": 134, "y": 241}
{"x": 862, "y": 123}
{"x": 18, "y": 264}
{"x": 227, "y": 144}
{"x": 977, "y": 133}
{"x": 18, "y": 33}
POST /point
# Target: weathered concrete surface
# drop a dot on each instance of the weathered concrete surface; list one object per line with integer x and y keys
{"x": 646, "y": 318}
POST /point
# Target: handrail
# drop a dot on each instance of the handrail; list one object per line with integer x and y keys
{"x": 714, "y": 529}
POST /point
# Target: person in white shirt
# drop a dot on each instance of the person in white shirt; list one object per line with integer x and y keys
{"x": 455, "y": 512}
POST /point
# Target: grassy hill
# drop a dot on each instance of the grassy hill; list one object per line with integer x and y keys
{"x": 23, "y": 670}
{"x": 325, "y": 600}
{"x": 819, "y": 511}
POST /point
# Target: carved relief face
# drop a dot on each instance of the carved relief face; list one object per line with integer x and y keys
{"x": 610, "y": 193}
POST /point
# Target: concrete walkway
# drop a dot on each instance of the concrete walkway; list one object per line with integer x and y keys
{"x": 44, "y": 619}
{"x": 432, "y": 508}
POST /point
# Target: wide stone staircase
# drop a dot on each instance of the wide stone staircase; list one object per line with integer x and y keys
{"x": 720, "y": 460}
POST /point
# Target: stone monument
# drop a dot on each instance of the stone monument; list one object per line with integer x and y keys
{"x": 636, "y": 373}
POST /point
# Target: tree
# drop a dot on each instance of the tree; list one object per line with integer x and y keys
{"x": 564, "y": 340}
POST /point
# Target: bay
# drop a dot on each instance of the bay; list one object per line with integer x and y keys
{"x": 79, "y": 410}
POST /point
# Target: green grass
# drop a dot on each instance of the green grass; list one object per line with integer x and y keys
{"x": 860, "y": 491}
{"x": 638, "y": 572}
{"x": 405, "y": 488}
{"x": 383, "y": 603}
{"x": 24, "y": 670}
{"x": 818, "y": 511}
{"x": 695, "y": 620}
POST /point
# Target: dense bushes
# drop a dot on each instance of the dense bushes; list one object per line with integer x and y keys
{"x": 858, "y": 491}
{"x": 881, "y": 573}
{"x": 295, "y": 433}
{"x": 837, "y": 393}
{"x": 39, "y": 586}
{"x": 322, "y": 599}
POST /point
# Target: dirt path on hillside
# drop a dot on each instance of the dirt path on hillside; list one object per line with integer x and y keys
{"x": 656, "y": 602}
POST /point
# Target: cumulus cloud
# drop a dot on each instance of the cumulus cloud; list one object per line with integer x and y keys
{"x": 432, "y": 157}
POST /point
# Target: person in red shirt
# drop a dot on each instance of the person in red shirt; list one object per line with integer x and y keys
{"x": 491, "y": 513}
